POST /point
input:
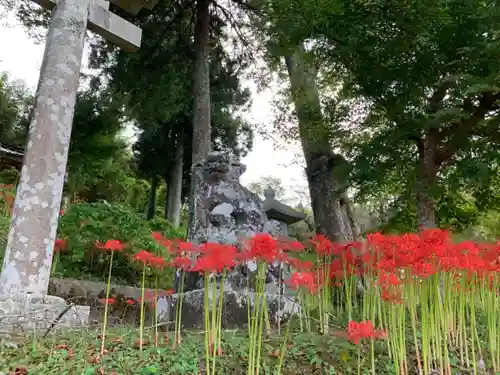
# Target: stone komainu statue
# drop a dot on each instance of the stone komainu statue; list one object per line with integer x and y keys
{"x": 224, "y": 210}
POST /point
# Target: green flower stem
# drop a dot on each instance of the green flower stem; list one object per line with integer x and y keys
{"x": 285, "y": 342}
{"x": 156, "y": 309}
{"x": 220, "y": 309}
{"x": 178, "y": 310}
{"x": 207, "y": 323}
{"x": 141, "y": 323}
{"x": 261, "y": 330}
{"x": 108, "y": 291}
{"x": 214, "y": 319}
{"x": 56, "y": 260}
{"x": 257, "y": 321}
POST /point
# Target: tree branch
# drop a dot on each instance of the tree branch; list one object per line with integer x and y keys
{"x": 247, "y": 6}
{"x": 233, "y": 23}
{"x": 437, "y": 97}
{"x": 461, "y": 130}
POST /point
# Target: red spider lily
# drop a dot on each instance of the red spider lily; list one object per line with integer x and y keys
{"x": 292, "y": 246}
{"x": 144, "y": 257}
{"x": 149, "y": 297}
{"x": 6, "y": 186}
{"x": 303, "y": 280}
{"x": 388, "y": 279}
{"x": 60, "y": 245}
{"x": 182, "y": 262}
{"x": 322, "y": 245}
{"x": 342, "y": 267}
{"x": 111, "y": 245}
{"x": 186, "y": 246}
{"x": 161, "y": 240}
{"x": 61, "y": 213}
{"x": 130, "y": 302}
{"x": 157, "y": 262}
{"x": 108, "y": 301}
{"x": 181, "y": 247}
{"x": 299, "y": 265}
{"x": 262, "y": 247}
{"x": 362, "y": 330}
{"x": 216, "y": 257}
{"x": 157, "y": 236}
{"x": 392, "y": 295}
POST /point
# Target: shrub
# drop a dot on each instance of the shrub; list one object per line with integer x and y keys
{"x": 85, "y": 224}
{"x": 82, "y": 225}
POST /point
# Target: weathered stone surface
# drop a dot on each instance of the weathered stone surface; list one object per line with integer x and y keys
{"x": 225, "y": 211}
{"x": 28, "y": 255}
{"x": 235, "y": 311}
{"x": 89, "y": 293}
{"x": 35, "y": 312}
{"x": 279, "y": 215}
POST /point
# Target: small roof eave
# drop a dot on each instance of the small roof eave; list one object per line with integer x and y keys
{"x": 279, "y": 211}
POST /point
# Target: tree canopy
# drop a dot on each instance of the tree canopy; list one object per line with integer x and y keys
{"x": 405, "y": 95}
{"x": 424, "y": 75}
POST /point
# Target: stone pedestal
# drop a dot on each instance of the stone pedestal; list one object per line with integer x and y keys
{"x": 235, "y": 311}
{"x": 22, "y": 315}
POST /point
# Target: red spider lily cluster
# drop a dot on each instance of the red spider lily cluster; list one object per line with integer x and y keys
{"x": 60, "y": 245}
{"x": 389, "y": 263}
{"x": 393, "y": 259}
{"x": 362, "y": 330}
{"x": 397, "y": 259}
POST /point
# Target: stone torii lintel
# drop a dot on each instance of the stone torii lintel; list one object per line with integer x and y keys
{"x": 105, "y": 23}
{"x": 134, "y": 6}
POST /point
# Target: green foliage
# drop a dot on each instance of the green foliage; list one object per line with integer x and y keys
{"x": 75, "y": 354}
{"x": 156, "y": 86}
{"x": 99, "y": 162}
{"x": 9, "y": 176}
{"x": 15, "y": 104}
{"x": 83, "y": 225}
{"x": 416, "y": 77}
{"x": 258, "y": 187}
{"x": 4, "y": 233}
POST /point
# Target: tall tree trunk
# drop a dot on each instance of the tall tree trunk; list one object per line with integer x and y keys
{"x": 201, "y": 116}
{"x": 427, "y": 173}
{"x": 201, "y": 94}
{"x": 332, "y": 211}
{"x": 151, "y": 209}
{"x": 174, "y": 195}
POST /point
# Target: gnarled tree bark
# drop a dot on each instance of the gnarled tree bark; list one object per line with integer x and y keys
{"x": 174, "y": 196}
{"x": 426, "y": 174}
{"x": 331, "y": 208}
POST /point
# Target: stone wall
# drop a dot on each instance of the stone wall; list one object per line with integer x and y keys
{"x": 89, "y": 293}
{"x": 235, "y": 311}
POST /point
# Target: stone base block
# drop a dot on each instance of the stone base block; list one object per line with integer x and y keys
{"x": 235, "y": 311}
{"x": 37, "y": 313}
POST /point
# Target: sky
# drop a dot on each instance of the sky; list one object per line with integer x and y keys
{"x": 21, "y": 56}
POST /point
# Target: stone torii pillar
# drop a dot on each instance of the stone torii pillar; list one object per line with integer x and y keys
{"x": 28, "y": 256}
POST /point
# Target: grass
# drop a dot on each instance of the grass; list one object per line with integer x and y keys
{"x": 77, "y": 353}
